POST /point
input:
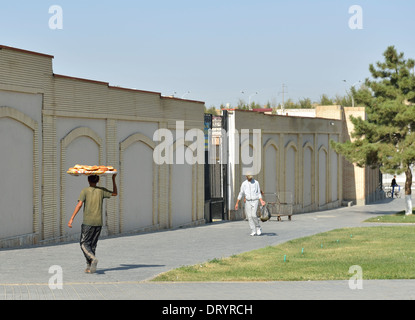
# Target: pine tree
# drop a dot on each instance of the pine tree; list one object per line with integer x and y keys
{"x": 386, "y": 139}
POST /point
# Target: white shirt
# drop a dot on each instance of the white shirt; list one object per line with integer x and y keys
{"x": 251, "y": 190}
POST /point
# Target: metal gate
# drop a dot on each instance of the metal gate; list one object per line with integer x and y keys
{"x": 216, "y": 158}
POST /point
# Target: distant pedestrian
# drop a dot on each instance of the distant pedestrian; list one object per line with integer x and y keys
{"x": 393, "y": 185}
{"x": 251, "y": 190}
{"x": 92, "y": 199}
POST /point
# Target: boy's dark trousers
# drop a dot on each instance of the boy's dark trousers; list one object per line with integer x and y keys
{"x": 89, "y": 240}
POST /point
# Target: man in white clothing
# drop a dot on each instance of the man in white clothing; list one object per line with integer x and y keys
{"x": 251, "y": 190}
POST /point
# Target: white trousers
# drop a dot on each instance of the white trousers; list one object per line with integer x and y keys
{"x": 251, "y": 208}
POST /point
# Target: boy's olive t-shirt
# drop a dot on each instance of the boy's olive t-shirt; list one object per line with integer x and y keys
{"x": 92, "y": 198}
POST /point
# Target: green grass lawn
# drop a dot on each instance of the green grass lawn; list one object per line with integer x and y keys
{"x": 382, "y": 252}
{"x": 394, "y": 218}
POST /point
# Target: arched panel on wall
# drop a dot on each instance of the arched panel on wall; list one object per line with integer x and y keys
{"x": 182, "y": 188}
{"x": 80, "y": 146}
{"x": 244, "y": 167}
{"x": 322, "y": 176}
{"x": 334, "y": 168}
{"x": 250, "y": 158}
{"x": 308, "y": 174}
{"x": 138, "y": 184}
{"x": 19, "y": 162}
{"x": 246, "y": 164}
{"x": 291, "y": 170}
{"x": 270, "y": 167}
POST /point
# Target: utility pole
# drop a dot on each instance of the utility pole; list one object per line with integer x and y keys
{"x": 283, "y": 101}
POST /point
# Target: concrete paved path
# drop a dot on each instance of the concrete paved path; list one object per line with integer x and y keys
{"x": 127, "y": 263}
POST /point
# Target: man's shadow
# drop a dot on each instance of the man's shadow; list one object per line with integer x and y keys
{"x": 124, "y": 267}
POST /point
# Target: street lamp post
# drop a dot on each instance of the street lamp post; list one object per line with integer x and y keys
{"x": 185, "y": 94}
{"x": 352, "y": 87}
{"x": 250, "y": 99}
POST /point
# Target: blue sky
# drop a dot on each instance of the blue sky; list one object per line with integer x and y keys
{"x": 214, "y": 49}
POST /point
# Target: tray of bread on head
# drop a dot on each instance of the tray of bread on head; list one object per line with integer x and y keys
{"x": 81, "y": 170}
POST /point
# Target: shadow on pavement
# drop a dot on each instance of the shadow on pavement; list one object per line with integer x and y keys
{"x": 268, "y": 234}
{"x": 124, "y": 267}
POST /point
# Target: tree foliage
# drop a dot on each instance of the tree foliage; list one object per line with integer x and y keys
{"x": 211, "y": 110}
{"x": 386, "y": 137}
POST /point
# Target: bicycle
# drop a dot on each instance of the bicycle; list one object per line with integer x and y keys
{"x": 396, "y": 193}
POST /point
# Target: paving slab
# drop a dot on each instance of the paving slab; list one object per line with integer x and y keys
{"x": 126, "y": 263}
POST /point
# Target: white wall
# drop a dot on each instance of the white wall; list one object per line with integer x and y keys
{"x": 20, "y": 163}
{"x": 16, "y": 163}
{"x": 322, "y": 176}
{"x": 138, "y": 187}
{"x": 297, "y": 159}
{"x": 56, "y": 121}
{"x": 271, "y": 163}
{"x": 181, "y": 191}
{"x": 308, "y": 177}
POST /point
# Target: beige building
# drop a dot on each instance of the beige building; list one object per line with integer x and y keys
{"x": 295, "y": 158}
{"x": 50, "y": 122}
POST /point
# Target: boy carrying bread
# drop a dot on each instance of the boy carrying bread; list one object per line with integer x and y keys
{"x": 92, "y": 198}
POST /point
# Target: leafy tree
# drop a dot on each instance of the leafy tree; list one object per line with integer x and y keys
{"x": 325, "y": 100}
{"x": 345, "y": 101}
{"x": 387, "y": 138}
{"x": 242, "y": 105}
{"x": 211, "y": 110}
{"x": 305, "y": 103}
{"x": 290, "y": 104}
{"x": 255, "y": 105}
